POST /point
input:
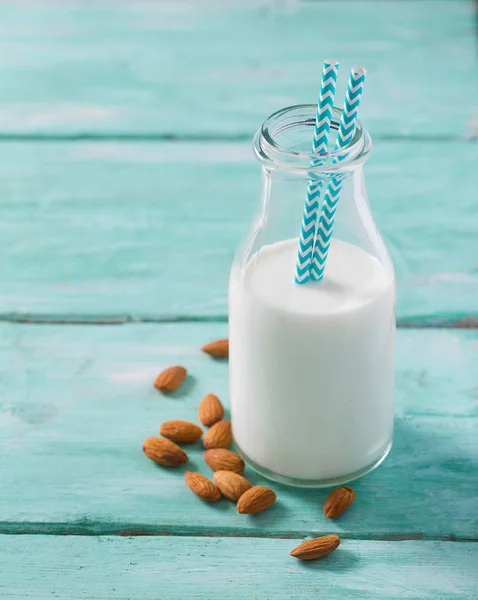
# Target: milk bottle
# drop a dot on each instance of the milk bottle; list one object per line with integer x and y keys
{"x": 311, "y": 366}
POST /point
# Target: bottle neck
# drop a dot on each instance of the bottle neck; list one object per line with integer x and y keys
{"x": 285, "y": 139}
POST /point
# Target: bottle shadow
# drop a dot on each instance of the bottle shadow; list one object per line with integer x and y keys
{"x": 427, "y": 486}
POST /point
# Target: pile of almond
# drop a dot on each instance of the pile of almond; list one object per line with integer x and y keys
{"x": 228, "y": 466}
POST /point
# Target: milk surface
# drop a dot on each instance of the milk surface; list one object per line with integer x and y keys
{"x": 311, "y": 366}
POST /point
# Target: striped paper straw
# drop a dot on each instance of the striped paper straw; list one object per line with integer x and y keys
{"x": 319, "y": 146}
{"x": 345, "y": 136}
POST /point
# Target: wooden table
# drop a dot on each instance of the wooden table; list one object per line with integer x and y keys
{"x": 126, "y": 182}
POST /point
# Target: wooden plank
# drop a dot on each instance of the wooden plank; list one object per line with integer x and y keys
{"x": 217, "y": 568}
{"x": 77, "y": 402}
{"x": 150, "y": 229}
{"x": 108, "y": 67}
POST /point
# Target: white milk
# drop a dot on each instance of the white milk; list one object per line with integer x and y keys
{"x": 311, "y": 366}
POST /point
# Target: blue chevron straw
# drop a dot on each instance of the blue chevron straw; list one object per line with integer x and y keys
{"x": 331, "y": 197}
{"x": 319, "y": 146}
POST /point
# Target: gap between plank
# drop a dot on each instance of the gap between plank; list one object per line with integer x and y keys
{"x": 98, "y": 528}
{"x": 203, "y": 137}
{"x": 425, "y": 322}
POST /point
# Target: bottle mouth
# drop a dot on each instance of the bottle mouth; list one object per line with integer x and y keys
{"x": 284, "y": 142}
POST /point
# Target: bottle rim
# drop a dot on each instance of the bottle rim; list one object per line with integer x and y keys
{"x": 274, "y": 154}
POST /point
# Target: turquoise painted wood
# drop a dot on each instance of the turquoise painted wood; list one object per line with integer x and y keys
{"x": 174, "y": 568}
{"x": 108, "y": 229}
{"x": 123, "y": 128}
{"x": 77, "y": 403}
{"x": 109, "y": 67}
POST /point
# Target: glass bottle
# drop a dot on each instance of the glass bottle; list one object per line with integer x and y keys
{"x": 311, "y": 365}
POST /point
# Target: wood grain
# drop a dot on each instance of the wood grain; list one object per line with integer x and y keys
{"x": 42, "y": 567}
{"x": 124, "y": 127}
{"x": 109, "y": 229}
{"x": 217, "y": 69}
{"x": 77, "y": 402}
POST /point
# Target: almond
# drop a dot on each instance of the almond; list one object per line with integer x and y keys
{"x": 180, "y": 431}
{"x": 170, "y": 379}
{"x": 220, "y": 459}
{"x": 338, "y": 501}
{"x": 164, "y": 452}
{"x": 219, "y": 436}
{"x": 217, "y": 349}
{"x": 202, "y": 486}
{"x": 256, "y": 500}
{"x": 231, "y": 484}
{"x": 210, "y": 410}
{"x": 316, "y": 548}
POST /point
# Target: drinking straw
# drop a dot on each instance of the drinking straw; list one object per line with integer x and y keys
{"x": 323, "y": 117}
{"x": 345, "y": 136}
